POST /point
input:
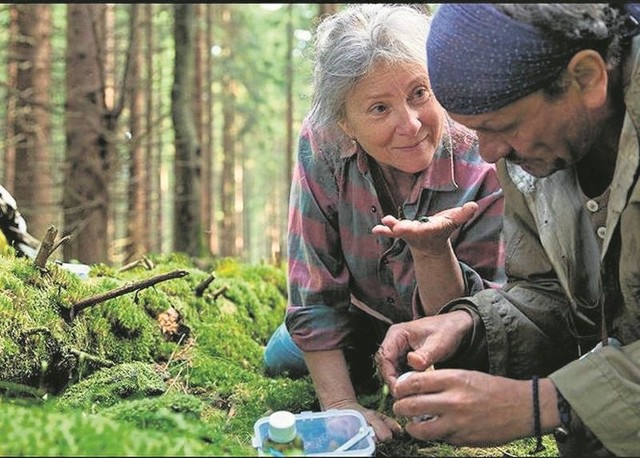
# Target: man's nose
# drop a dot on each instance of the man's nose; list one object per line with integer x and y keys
{"x": 493, "y": 148}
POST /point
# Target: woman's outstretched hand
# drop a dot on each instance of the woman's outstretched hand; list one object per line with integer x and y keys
{"x": 427, "y": 235}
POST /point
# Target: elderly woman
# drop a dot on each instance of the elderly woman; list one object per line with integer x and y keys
{"x": 377, "y": 150}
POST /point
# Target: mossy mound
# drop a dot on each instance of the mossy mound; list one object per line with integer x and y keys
{"x": 173, "y": 369}
{"x": 169, "y": 370}
{"x": 112, "y": 385}
{"x": 44, "y": 431}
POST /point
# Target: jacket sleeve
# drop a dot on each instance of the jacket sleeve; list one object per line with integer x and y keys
{"x": 603, "y": 390}
{"x": 525, "y": 325}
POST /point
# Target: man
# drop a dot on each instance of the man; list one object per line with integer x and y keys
{"x": 553, "y": 91}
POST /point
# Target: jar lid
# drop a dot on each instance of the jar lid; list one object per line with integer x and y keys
{"x": 282, "y": 426}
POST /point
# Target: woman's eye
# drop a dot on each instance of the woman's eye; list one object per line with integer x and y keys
{"x": 378, "y": 109}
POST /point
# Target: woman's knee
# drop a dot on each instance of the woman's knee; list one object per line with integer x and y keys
{"x": 282, "y": 356}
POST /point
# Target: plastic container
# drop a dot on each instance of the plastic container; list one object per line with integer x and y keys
{"x": 334, "y": 432}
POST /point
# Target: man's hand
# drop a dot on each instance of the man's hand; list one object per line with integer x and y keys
{"x": 421, "y": 343}
{"x": 472, "y": 408}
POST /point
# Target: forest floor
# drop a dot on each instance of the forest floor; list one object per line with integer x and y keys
{"x": 162, "y": 359}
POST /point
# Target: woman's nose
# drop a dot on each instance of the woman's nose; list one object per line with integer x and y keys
{"x": 409, "y": 122}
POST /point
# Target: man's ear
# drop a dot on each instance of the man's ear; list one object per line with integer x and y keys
{"x": 589, "y": 70}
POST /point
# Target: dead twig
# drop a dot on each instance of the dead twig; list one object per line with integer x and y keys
{"x": 47, "y": 247}
{"x": 220, "y": 292}
{"x": 137, "y": 286}
{"x": 84, "y": 356}
{"x": 203, "y": 285}
{"x": 144, "y": 262}
{"x": 60, "y": 242}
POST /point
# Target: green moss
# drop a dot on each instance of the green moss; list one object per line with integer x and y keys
{"x": 43, "y": 431}
{"x": 247, "y": 393}
{"x": 227, "y": 338}
{"x": 154, "y": 301}
{"x": 107, "y": 382}
{"x": 222, "y": 375}
{"x": 111, "y": 385}
{"x": 172, "y": 413}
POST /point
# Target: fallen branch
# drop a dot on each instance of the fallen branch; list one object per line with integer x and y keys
{"x": 220, "y": 292}
{"x": 84, "y": 356}
{"x": 144, "y": 261}
{"x": 137, "y": 286}
{"x": 12, "y": 388}
{"x": 38, "y": 330}
{"x": 203, "y": 285}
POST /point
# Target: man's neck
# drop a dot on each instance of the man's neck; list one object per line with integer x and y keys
{"x": 596, "y": 169}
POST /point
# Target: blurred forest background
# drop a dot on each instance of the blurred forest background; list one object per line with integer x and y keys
{"x": 138, "y": 128}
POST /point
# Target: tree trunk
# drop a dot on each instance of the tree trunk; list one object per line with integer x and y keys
{"x": 86, "y": 194}
{"x": 228, "y": 226}
{"x": 208, "y": 150}
{"x": 138, "y": 192}
{"x": 153, "y": 220}
{"x": 8, "y": 178}
{"x": 227, "y": 180}
{"x": 188, "y": 235}
{"x": 34, "y": 188}
{"x": 201, "y": 97}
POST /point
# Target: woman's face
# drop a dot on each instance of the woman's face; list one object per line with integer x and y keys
{"x": 394, "y": 117}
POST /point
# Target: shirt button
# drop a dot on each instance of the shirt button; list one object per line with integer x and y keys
{"x": 601, "y": 231}
{"x": 373, "y": 209}
{"x": 592, "y": 206}
{"x": 390, "y": 300}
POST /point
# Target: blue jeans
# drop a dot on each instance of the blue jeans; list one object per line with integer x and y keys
{"x": 282, "y": 356}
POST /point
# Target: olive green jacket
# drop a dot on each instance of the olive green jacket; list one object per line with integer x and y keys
{"x": 549, "y": 313}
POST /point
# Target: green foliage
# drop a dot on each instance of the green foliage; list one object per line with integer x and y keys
{"x": 131, "y": 334}
{"x": 262, "y": 291}
{"x": 407, "y": 446}
{"x": 111, "y": 385}
{"x": 111, "y": 381}
{"x": 44, "y": 431}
